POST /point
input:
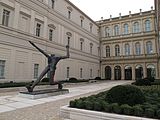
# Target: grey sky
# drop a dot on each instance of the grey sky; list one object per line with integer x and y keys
{"x": 96, "y": 9}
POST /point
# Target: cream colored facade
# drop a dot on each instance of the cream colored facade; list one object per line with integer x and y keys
{"x": 129, "y": 47}
{"x": 50, "y": 24}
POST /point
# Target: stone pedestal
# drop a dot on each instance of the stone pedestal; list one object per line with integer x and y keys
{"x": 43, "y": 93}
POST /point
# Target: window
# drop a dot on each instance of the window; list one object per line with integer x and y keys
{"x": 136, "y": 27}
{"x": 36, "y": 67}
{"x": 69, "y": 14}
{"x": 126, "y": 31}
{"x": 90, "y": 27}
{"x": 127, "y": 49}
{"x": 147, "y": 25}
{"x": 91, "y": 47}
{"x": 90, "y": 73}
{"x": 81, "y": 72}
{"x": 50, "y": 34}
{"x": 52, "y": 4}
{"x": 81, "y": 43}
{"x": 107, "y": 32}
{"x": 24, "y": 23}
{"x": 68, "y": 40}
{"x": 81, "y": 23}
{"x": 68, "y": 72}
{"x": 138, "y": 48}
{"x": 116, "y": 30}
{"x": 2, "y": 67}
{"x": 149, "y": 47}
{"x": 38, "y": 29}
{"x": 117, "y": 50}
{"x": 5, "y": 19}
{"x": 107, "y": 51}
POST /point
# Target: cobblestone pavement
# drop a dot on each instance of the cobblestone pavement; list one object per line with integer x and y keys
{"x": 49, "y": 110}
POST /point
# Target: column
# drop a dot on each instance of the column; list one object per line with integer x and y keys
{"x": 32, "y": 22}
{"x": 144, "y": 71}
{"x": 133, "y": 73}
{"x": 122, "y": 72}
{"x": 112, "y": 68}
{"x": 45, "y": 29}
{"x": 16, "y": 15}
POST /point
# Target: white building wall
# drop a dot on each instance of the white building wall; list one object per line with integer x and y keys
{"x": 20, "y": 56}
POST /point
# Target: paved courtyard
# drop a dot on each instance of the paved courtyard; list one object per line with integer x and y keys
{"x": 14, "y": 107}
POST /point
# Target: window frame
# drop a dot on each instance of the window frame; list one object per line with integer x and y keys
{"x": 2, "y": 69}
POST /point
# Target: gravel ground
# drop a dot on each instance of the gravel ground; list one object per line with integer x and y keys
{"x": 46, "y": 111}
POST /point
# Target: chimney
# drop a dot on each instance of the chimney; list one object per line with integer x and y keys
{"x": 101, "y": 18}
{"x": 130, "y": 15}
{"x": 140, "y": 11}
{"x": 120, "y": 16}
{"x": 110, "y": 17}
{"x": 152, "y": 9}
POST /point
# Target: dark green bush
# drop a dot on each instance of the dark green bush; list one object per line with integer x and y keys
{"x": 143, "y": 82}
{"x": 73, "y": 79}
{"x": 45, "y": 80}
{"x": 97, "y": 78}
{"x": 80, "y": 104}
{"x": 137, "y": 110}
{"x": 126, "y": 109}
{"x": 107, "y": 107}
{"x": 149, "y": 112}
{"x": 88, "y": 105}
{"x": 72, "y": 103}
{"x": 158, "y": 113}
{"x": 116, "y": 108}
{"x": 125, "y": 94}
{"x": 12, "y": 84}
{"x": 97, "y": 106}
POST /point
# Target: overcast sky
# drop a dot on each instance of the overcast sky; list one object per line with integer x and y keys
{"x": 96, "y": 9}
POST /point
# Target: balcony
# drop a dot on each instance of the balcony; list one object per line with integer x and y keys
{"x": 131, "y": 57}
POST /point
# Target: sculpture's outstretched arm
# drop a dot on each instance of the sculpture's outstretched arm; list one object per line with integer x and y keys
{"x": 39, "y": 49}
{"x": 67, "y": 56}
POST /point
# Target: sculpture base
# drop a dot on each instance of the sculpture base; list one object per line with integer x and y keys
{"x": 37, "y": 94}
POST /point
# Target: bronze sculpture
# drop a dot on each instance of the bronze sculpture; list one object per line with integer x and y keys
{"x": 51, "y": 67}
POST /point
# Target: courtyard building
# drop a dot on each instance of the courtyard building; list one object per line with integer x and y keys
{"x": 120, "y": 48}
{"x": 51, "y": 25}
{"x": 129, "y": 46}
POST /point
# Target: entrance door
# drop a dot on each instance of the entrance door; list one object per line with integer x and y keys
{"x": 139, "y": 72}
{"x": 128, "y": 73}
{"x": 117, "y": 73}
{"x": 108, "y": 73}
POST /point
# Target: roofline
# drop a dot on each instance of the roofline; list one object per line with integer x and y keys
{"x": 81, "y": 12}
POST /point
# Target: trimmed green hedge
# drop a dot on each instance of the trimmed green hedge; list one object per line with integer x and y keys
{"x": 99, "y": 102}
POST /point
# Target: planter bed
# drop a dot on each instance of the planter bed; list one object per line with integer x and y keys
{"x": 68, "y": 113}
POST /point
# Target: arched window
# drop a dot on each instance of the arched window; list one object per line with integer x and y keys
{"x": 151, "y": 71}
{"x": 116, "y": 30}
{"x": 117, "y": 50}
{"x": 147, "y": 25}
{"x": 138, "y": 48}
{"x": 107, "y": 32}
{"x": 127, "y": 49}
{"x": 149, "y": 47}
{"x": 136, "y": 27}
{"x": 107, "y": 51}
{"x": 126, "y": 30}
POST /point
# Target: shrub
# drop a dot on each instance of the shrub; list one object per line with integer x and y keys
{"x": 107, "y": 107}
{"x": 116, "y": 108}
{"x": 72, "y": 103}
{"x": 80, "y": 104}
{"x": 143, "y": 82}
{"x": 126, "y": 94}
{"x": 149, "y": 112}
{"x": 137, "y": 110}
{"x": 88, "y": 105}
{"x": 45, "y": 80}
{"x": 73, "y": 79}
{"x": 158, "y": 113}
{"x": 97, "y": 78}
{"x": 126, "y": 109}
{"x": 97, "y": 106}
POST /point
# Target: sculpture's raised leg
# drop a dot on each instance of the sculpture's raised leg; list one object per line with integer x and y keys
{"x": 31, "y": 87}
